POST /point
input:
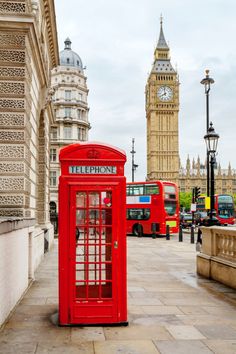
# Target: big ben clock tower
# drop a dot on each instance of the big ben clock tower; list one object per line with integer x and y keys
{"x": 162, "y": 107}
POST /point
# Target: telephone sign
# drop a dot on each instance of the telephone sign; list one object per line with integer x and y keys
{"x": 92, "y": 235}
{"x": 91, "y": 170}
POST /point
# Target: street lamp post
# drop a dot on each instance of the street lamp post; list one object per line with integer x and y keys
{"x": 207, "y": 81}
{"x": 211, "y": 139}
{"x": 134, "y": 166}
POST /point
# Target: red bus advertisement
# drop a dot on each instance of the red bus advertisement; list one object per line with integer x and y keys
{"x": 151, "y": 206}
{"x": 224, "y": 208}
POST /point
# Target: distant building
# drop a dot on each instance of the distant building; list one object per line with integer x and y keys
{"x": 162, "y": 109}
{"x": 194, "y": 175}
{"x": 71, "y": 111}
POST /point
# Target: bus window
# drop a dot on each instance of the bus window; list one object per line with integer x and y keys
{"x": 170, "y": 190}
{"x": 152, "y": 189}
{"x": 224, "y": 213}
{"x": 138, "y": 214}
{"x": 170, "y": 207}
{"x": 135, "y": 189}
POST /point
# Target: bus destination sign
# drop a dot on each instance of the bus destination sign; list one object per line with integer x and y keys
{"x": 93, "y": 170}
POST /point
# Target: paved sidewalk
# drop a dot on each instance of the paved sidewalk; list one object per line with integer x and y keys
{"x": 171, "y": 309}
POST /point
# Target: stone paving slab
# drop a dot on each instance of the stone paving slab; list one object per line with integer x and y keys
{"x": 221, "y": 347}
{"x": 171, "y": 310}
{"x": 68, "y": 348}
{"x": 182, "y": 346}
{"x": 217, "y": 331}
{"x": 134, "y": 332}
{"x": 125, "y": 347}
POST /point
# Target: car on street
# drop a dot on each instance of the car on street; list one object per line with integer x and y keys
{"x": 186, "y": 220}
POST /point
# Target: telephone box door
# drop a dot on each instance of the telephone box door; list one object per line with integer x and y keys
{"x": 93, "y": 249}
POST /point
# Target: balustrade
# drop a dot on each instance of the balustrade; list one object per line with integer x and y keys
{"x": 217, "y": 259}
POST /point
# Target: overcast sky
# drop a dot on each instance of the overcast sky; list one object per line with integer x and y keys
{"x": 116, "y": 42}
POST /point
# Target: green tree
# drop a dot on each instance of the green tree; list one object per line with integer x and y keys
{"x": 185, "y": 200}
{"x": 234, "y": 196}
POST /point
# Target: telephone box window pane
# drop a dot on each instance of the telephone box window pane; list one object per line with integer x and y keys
{"x": 81, "y": 290}
{"x": 93, "y": 290}
{"x": 106, "y": 199}
{"x": 80, "y": 235}
{"x": 94, "y": 199}
{"x": 94, "y": 216}
{"x": 81, "y": 217}
{"x": 80, "y": 254}
{"x": 81, "y": 200}
{"x": 106, "y": 272}
{"x": 93, "y": 255}
{"x": 94, "y": 233}
{"x": 106, "y": 236}
{"x": 106, "y": 253}
{"x": 94, "y": 272}
{"x": 107, "y": 217}
{"x": 80, "y": 276}
{"x": 107, "y": 290}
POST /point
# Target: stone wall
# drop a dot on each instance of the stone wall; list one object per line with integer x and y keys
{"x": 28, "y": 52}
{"x": 217, "y": 259}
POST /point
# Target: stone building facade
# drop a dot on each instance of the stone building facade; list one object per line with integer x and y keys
{"x": 71, "y": 125}
{"x": 28, "y": 52}
{"x": 194, "y": 175}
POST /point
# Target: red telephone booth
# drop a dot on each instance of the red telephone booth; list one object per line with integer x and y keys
{"x": 92, "y": 235}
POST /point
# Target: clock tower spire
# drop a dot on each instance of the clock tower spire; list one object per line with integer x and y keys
{"x": 162, "y": 107}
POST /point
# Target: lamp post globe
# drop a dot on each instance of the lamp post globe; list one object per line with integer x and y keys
{"x": 211, "y": 139}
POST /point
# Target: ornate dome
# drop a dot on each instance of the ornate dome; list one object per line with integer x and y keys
{"x": 70, "y": 58}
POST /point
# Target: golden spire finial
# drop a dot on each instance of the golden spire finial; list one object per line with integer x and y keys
{"x": 207, "y": 72}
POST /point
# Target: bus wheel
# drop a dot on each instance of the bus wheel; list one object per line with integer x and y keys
{"x": 138, "y": 230}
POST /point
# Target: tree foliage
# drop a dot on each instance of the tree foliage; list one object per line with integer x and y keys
{"x": 185, "y": 200}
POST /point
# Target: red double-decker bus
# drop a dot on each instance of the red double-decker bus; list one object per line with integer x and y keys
{"x": 224, "y": 208}
{"x": 151, "y": 206}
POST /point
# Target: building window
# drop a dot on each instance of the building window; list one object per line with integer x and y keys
{"x": 54, "y": 133}
{"x": 53, "y": 155}
{"x": 68, "y": 112}
{"x": 67, "y": 132}
{"x": 81, "y": 134}
{"x": 80, "y": 96}
{"x": 67, "y": 95}
{"x": 53, "y": 178}
{"x": 79, "y": 114}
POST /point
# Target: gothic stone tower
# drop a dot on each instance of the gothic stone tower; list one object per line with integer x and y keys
{"x": 162, "y": 107}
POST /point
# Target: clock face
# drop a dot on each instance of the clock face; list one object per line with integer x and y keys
{"x": 165, "y": 93}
